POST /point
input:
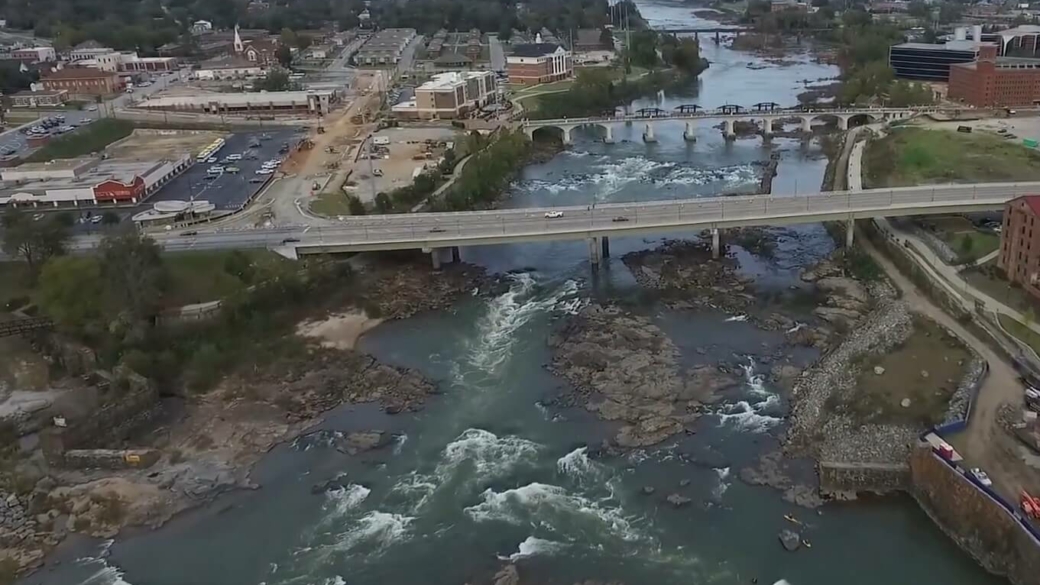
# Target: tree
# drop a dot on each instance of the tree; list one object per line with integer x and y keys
{"x": 284, "y": 55}
{"x": 606, "y": 38}
{"x": 238, "y": 264}
{"x": 967, "y": 245}
{"x": 355, "y": 205}
{"x": 33, "y": 241}
{"x": 919, "y": 9}
{"x": 134, "y": 273}
{"x": 71, "y": 292}
{"x": 383, "y": 203}
{"x": 275, "y": 80}
{"x": 505, "y": 31}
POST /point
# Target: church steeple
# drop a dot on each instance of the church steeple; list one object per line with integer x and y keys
{"x": 239, "y": 46}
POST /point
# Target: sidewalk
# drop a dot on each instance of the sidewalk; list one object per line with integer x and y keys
{"x": 948, "y": 276}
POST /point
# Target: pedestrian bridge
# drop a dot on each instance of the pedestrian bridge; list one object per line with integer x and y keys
{"x": 728, "y": 114}
{"x": 434, "y": 231}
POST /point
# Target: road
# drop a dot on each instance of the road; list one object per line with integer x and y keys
{"x": 498, "y": 53}
{"x": 434, "y": 230}
{"x": 407, "y": 60}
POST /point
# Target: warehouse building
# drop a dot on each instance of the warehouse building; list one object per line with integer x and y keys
{"x": 994, "y": 81}
{"x": 86, "y": 181}
{"x": 316, "y": 102}
{"x": 385, "y": 47}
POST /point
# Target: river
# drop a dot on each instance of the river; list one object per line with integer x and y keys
{"x": 487, "y": 473}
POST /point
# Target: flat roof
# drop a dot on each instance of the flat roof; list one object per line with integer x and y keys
{"x": 451, "y": 79}
{"x": 104, "y": 171}
{"x": 237, "y": 99}
{"x": 61, "y": 164}
{"x": 937, "y": 46}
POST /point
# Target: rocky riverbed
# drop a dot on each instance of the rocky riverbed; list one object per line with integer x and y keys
{"x": 624, "y": 368}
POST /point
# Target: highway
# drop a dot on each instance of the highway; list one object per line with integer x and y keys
{"x": 437, "y": 230}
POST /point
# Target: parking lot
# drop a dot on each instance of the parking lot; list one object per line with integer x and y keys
{"x": 230, "y": 191}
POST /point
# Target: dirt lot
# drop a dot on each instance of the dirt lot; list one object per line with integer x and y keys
{"x": 146, "y": 145}
{"x": 1021, "y": 127}
{"x": 405, "y": 143}
{"x": 925, "y": 370}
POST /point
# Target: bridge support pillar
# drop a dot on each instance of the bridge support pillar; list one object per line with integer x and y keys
{"x": 715, "y": 244}
{"x": 609, "y": 138}
{"x": 767, "y": 127}
{"x": 594, "y": 250}
{"x": 648, "y": 133}
{"x": 567, "y": 135}
{"x": 727, "y": 129}
{"x": 850, "y": 231}
{"x": 718, "y": 37}
{"x": 843, "y": 123}
{"x": 807, "y": 125}
{"x": 605, "y": 247}
{"x": 688, "y": 134}
{"x": 456, "y": 255}
{"x": 435, "y": 256}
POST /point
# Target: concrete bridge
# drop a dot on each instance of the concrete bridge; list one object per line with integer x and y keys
{"x": 728, "y": 114}
{"x": 441, "y": 234}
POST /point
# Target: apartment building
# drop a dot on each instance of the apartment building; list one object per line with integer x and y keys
{"x": 538, "y": 62}
{"x": 1019, "y": 255}
{"x": 449, "y": 96}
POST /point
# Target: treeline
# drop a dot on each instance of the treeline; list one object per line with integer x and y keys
{"x": 503, "y": 16}
{"x": 488, "y": 172}
{"x": 112, "y": 302}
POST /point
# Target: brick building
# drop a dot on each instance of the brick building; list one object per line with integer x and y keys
{"x": 82, "y": 81}
{"x": 996, "y": 81}
{"x": 538, "y": 62}
{"x": 449, "y": 96}
{"x": 1020, "y": 243}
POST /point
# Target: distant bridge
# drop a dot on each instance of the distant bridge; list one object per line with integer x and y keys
{"x": 767, "y": 113}
{"x": 704, "y": 29}
{"x": 21, "y": 326}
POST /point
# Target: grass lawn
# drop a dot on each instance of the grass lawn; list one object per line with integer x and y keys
{"x": 992, "y": 285}
{"x": 929, "y": 349}
{"x": 330, "y": 204}
{"x": 1021, "y": 332}
{"x": 88, "y": 139}
{"x": 911, "y": 156}
{"x": 953, "y": 229}
{"x": 198, "y": 277}
{"x": 14, "y": 280}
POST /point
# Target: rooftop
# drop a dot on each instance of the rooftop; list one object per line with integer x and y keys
{"x": 88, "y": 174}
{"x": 534, "y": 49}
{"x": 281, "y": 98}
{"x": 451, "y": 79}
{"x": 228, "y": 63}
{"x": 77, "y": 73}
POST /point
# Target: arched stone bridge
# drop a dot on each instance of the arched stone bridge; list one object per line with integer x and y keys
{"x": 728, "y": 114}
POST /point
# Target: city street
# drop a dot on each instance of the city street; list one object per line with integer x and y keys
{"x": 498, "y": 53}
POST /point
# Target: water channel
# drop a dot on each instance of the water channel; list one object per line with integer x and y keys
{"x": 486, "y": 473}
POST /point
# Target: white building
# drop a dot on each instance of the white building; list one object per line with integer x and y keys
{"x": 230, "y": 68}
{"x": 201, "y": 26}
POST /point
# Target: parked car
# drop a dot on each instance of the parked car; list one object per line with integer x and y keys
{"x": 981, "y": 476}
{"x": 232, "y": 170}
{"x": 211, "y": 159}
{"x": 96, "y": 219}
{"x": 265, "y": 172}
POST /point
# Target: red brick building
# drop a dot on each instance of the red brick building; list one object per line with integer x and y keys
{"x": 82, "y": 81}
{"x": 536, "y": 63}
{"x": 1020, "y": 243}
{"x": 996, "y": 81}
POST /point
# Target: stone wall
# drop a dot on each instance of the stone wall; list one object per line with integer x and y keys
{"x": 976, "y": 521}
{"x": 132, "y": 402}
{"x": 110, "y": 458}
{"x": 846, "y": 479}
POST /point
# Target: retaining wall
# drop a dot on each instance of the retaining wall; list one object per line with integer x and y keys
{"x": 977, "y": 518}
{"x": 110, "y": 458}
{"x": 838, "y": 479}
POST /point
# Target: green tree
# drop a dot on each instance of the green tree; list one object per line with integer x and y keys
{"x": 238, "y": 264}
{"x": 383, "y": 203}
{"x": 505, "y": 31}
{"x": 71, "y": 292}
{"x": 606, "y": 38}
{"x": 284, "y": 55}
{"x": 134, "y": 273}
{"x": 109, "y": 218}
{"x": 919, "y": 9}
{"x": 275, "y": 80}
{"x": 33, "y": 241}
{"x": 967, "y": 245}
{"x": 355, "y": 205}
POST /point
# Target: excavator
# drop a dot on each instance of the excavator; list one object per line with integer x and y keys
{"x": 1031, "y": 505}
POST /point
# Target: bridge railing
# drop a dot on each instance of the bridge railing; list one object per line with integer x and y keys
{"x": 717, "y": 113}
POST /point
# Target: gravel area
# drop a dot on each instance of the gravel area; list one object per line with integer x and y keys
{"x": 966, "y": 390}
{"x": 815, "y": 430}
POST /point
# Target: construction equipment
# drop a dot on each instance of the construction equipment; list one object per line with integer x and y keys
{"x": 1031, "y": 505}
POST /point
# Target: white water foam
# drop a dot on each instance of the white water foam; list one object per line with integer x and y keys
{"x": 532, "y": 546}
{"x": 723, "y": 475}
{"x": 416, "y": 488}
{"x": 577, "y": 464}
{"x": 106, "y": 574}
{"x": 546, "y": 502}
{"x": 343, "y": 500}
{"x": 490, "y": 454}
{"x": 381, "y": 529}
{"x": 752, "y": 416}
{"x": 737, "y": 318}
{"x": 508, "y": 313}
{"x": 399, "y": 442}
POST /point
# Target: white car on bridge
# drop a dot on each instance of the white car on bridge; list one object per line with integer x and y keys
{"x": 553, "y": 214}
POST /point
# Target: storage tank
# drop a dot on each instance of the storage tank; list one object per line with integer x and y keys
{"x": 960, "y": 33}
{"x": 976, "y": 33}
